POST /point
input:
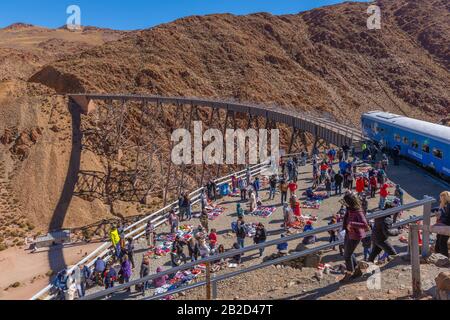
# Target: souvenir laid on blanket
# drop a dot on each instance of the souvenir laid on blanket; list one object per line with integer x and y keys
{"x": 264, "y": 212}
{"x": 235, "y": 194}
{"x": 311, "y": 204}
{"x": 297, "y": 224}
{"x": 215, "y": 212}
{"x": 164, "y": 247}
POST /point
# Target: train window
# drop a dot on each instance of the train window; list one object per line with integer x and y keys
{"x": 426, "y": 148}
{"x": 397, "y": 137}
{"x": 405, "y": 140}
{"x": 380, "y": 130}
{"x": 438, "y": 153}
{"x": 415, "y": 144}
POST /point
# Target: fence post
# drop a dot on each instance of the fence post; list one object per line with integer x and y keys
{"x": 208, "y": 281}
{"x": 426, "y": 229}
{"x": 214, "y": 288}
{"x": 415, "y": 260}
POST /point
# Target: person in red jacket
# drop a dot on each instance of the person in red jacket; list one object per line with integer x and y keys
{"x": 292, "y": 188}
{"x": 355, "y": 224}
{"x": 213, "y": 238}
{"x": 295, "y": 205}
{"x": 360, "y": 185}
{"x": 384, "y": 192}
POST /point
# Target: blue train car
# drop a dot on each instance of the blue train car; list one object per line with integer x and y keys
{"x": 423, "y": 142}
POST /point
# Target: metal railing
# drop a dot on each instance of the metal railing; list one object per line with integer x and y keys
{"x": 426, "y": 203}
{"x": 137, "y": 229}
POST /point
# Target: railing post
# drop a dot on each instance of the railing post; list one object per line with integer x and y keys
{"x": 214, "y": 288}
{"x": 415, "y": 260}
{"x": 208, "y": 281}
{"x": 426, "y": 229}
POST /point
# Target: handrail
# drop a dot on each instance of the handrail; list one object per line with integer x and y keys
{"x": 231, "y": 253}
{"x": 106, "y": 247}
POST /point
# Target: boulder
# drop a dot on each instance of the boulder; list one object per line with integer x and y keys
{"x": 438, "y": 260}
{"x": 443, "y": 281}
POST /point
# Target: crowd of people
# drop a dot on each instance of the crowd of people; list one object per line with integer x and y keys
{"x": 335, "y": 170}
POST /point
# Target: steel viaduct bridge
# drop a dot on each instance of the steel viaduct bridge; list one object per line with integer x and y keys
{"x": 127, "y": 129}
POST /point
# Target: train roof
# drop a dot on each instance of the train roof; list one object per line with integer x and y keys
{"x": 437, "y": 131}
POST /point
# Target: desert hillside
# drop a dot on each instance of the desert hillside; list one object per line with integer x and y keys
{"x": 323, "y": 61}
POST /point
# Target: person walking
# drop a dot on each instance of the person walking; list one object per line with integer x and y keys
{"x": 173, "y": 221}
{"x": 441, "y": 245}
{"x": 356, "y": 226}
{"x": 373, "y": 186}
{"x": 260, "y": 237}
{"x": 399, "y": 192}
{"x": 257, "y": 186}
{"x": 187, "y": 206}
{"x": 181, "y": 207}
{"x": 381, "y": 232}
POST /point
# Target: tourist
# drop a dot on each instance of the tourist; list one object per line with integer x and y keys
{"x": 273, "y": 187}
{"x": 252, "y": 201}
{"x": 203, "y": 199}
{"x": 212, "y": 237}
{"x": 241, "y": 232}
{"x": 204, "y": 220}
{"x": 115, "y": 240}
{"x": 211, "y": 187}
{"x": 144, "y": 272}
{"x": 181, "y": 206}
{"x": 150, "y": 234}
{"x": 444, "y": 219}
{"x": 396, "y": 155}
{"x": 284, "y": 189}
{"x": 295, "y": 205}
{"x": 345, "y": 149}
{"x": 328, "y": 186}
{"x": 399, "y": 192}
{"x": 292, "y": 188}
{"x": 203, "y": 248}
{"x": 80, "y": 277}
{"x": 126, "y": 270}
{"x": 373, "y": 186}
{"x": 173, "y": 221}
{"x": 360, "y": 185}
{"x": 187, "y": 206}
{"x": 260, "y": 237}
{"x": 239, "y": 211}
{"x": 177, "y": 254}
{"x": 109, "y": 277}
{"x": 129, "y": 250}
{"x": 381, "y": 177}
{"x": 257, "y": 186}
{"x": 242, "y": 183}
{"x": 384, "y": 192}
{"x": 193, "y": 249}
{"x": 356, "y": 225}
{"x": 332, "y": 233}
{"x": 338, "y": 180}
{"x": 381, "y": 232}
{"x": 99, "y": 269}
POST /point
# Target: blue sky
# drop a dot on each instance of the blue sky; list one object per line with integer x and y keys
{"x": 137, "y": 14}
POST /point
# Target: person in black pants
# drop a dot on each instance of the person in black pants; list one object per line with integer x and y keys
{"x": 380, "y": 237}
{"x": 444, "y": 218}
{"x": 338, "y": 180}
